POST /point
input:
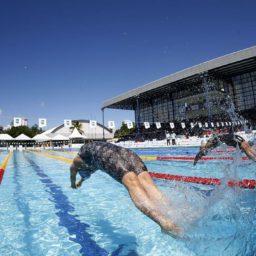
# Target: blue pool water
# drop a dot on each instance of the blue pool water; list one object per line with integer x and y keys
{"x": 41, "y": 215}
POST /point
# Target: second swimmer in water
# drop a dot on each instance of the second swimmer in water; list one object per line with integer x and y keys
{"x": 230, "y": 140}
{"x": 126, "y": 167}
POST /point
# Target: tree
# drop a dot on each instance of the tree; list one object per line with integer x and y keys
{"x": 30, "y": 132}
{"x": 124, "y": 131}
{"x": 77, "y": 125}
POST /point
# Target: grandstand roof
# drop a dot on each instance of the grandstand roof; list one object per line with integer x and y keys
{"x": 223, "y": 67}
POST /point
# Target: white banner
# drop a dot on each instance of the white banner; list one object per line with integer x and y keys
{"x": 222, "y": 123}
{"x": 217, "y": 124}
{"x": 192, "y": 125}
{"x": 17, "y": 121}
{"x": 172, "y": 125}
{"x": 93, "y": 124}
{"x": 229, "y": 123}
{"x": 42, "y": 122}
{"x": 158, "y": 125}
{"x": 111, "y": 125}
{"x": 67, "y": 123}
{"x": 200, "y": 125}
{"x": 206, "y": 125}
{"x": 147, "y": 125}
{"x": 129, "y": 124}
{"x": 212, "y": 124}
{"x": 183, "y": 125}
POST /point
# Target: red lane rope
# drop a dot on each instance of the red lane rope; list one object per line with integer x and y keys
{"x": 251, "y": 184}
{"x": 191, "y": 158}
{"x": 224, "y": 151}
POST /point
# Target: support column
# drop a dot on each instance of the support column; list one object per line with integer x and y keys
{"x": 138, "y": 116}
{"x": 205, "y": 78}
{"x": 103, "y": 121}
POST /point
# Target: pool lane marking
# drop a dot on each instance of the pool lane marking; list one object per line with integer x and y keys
{"x": 3, "y": 166}
{"x": 246, "y": 183}
{"x": 67, "y": 160}
{"x": 75, "y": 228}
{"x": 58, "y": 151}
{"x": 22, "y": 203}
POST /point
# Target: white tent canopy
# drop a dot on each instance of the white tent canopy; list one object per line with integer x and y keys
{"x": 5, "y": 136}
{"x": 22, "y": 137}
{"x": 41, "y": 137}
{"x": 59, "y": 137}
{"x": 76, "y": 135}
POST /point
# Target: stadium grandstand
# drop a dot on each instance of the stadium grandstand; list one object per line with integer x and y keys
{"x": 196, "y": 97}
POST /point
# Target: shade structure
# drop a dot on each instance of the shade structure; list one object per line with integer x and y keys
{"x": 22, "y": 137}
{"x": 59, "y": 137}
{"x": 76, "y": 135}
{"x": 41, "y": 137}
{"x": 5, "y": 136}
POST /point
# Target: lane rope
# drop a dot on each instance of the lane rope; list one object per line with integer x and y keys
{"x": 189, "y": 158}
{"x": 246, "y": 183}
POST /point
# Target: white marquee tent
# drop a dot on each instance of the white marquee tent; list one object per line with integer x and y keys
{"x": 76, "y": 135}
{"x": 22, "y": 137}
{"x": 5, "y": 137}
{"x": 41, "y": 137}
{"x": 59, "y": 137}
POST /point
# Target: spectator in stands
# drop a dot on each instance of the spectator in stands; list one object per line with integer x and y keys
{"x": 168, "y": 138}
{"x": 173, "y": 136}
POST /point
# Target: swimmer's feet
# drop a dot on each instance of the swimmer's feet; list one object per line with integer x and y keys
{"x": 176, "y": 232}
{"x": 173, "y": 230}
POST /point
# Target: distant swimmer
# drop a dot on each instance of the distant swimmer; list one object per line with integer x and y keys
{"x": 126, "y": 167}
{"x": 230, "y": 140}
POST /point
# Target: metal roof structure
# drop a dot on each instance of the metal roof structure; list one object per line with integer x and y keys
{"x": 223, "y": 67}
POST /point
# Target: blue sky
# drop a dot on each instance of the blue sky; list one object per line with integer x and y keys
{"x": 62, "y": 59}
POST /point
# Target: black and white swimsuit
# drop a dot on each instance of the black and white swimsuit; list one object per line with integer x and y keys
{"x": 112, "y": 159}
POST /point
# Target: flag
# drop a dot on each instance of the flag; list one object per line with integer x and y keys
{"x": 67, "y": 123}
{"x": 111, "y": 124}
{"x": 16, "y": 121}
{"x": 129, "y": 124}
{"x": 172, "y": 125}
{"x": 192, "y": 125}
{"x": 158, "y": 125}
{"x": 147, "y": 125}
{"x": 42, "y": 122}
{"x": 93, "y": 124}
{"x": 183, "y": 125}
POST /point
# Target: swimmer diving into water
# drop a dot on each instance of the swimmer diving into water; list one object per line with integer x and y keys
{"x": 126, "y": 167}
{"x": 230, "y": 140}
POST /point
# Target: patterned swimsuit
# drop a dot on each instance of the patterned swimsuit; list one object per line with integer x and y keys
{"x": 112, "y": 159}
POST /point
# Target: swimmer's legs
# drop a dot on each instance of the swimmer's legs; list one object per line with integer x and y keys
{"x": 145, "y": 203}
{"x": 151, "y": 189}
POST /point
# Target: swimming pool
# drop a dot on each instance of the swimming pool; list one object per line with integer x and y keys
{"x": 42, "y": 215}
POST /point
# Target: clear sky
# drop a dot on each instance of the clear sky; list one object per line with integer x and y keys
{"x": 62, "y": 59}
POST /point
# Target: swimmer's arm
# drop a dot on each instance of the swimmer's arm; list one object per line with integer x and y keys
{"x": 77, "y": 163}
{"x": 249, "y": 151}
{"x": 79, "y": 183}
